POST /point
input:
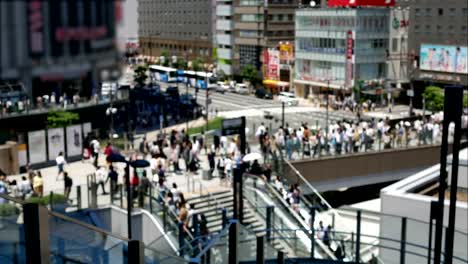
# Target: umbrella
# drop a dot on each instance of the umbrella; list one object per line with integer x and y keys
{"x": 252, "y": 156}
{"x": 139, "y": 163}
{"x": 408, "y": 124}
{"x": 114, "y": 157}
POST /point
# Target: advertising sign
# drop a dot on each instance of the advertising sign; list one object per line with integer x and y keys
{"x": 37, "y": 146}
{"x": 286, "y": 51}
{"x": 55, "y": 142}
{"x": 35, "y": 27}
{"x": 74, "y": 141}
{"x": 272, "y": 68}
{"x": 443, "y": 58}
{"x": 349, "y": 58}
{"x": 355, "y": 3}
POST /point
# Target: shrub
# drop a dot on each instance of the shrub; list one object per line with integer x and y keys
{"x": 8, "y": 209}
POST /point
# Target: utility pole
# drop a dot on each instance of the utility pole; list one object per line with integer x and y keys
{"x": 206, "y": 101}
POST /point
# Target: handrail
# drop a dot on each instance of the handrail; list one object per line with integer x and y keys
{"x": 210, "y": 194}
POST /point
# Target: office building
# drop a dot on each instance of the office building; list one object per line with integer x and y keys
{"x": 336, "y": 48}
{"x": 438, "y": 26}
{"x": 258, "y": 25}
{"x": 180, "y": 27}
{"x": 224, "y": 40}
{"x": 56, "y": 46}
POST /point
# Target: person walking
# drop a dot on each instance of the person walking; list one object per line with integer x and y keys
{"x": 68, "y": 183}
{"x": 95, "y": 146}
{"x": 25, "y": 187}
{"x": 60, "y": 160}
{"x": 101, "y": 178}
{"x": 38, "y": 184}
{"x": 113, "y": 177}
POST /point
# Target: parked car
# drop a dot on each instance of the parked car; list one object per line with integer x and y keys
{"x": 222, "y": 87}
{"x": 288, "y": 98}
{"x": 263, "y": 94}
{"x": 241, "y": 88}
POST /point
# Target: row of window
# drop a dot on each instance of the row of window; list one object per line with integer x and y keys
{"x": 440, "y": 28}
{"x": 439, "y": 11}
{"x": 366, "y": 23}
{"x": 177, "y": 48}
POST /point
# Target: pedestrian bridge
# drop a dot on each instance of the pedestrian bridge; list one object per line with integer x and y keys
{"x": 333, "y": 173}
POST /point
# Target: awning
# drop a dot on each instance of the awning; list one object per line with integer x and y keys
{"x": 275, "y": 83}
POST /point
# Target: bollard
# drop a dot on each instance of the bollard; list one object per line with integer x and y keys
{"x": 358, "y": 236}
{"x": 78, "y": 197}
{"x": 403, "y": 241}
{"x": 312, "y": 238}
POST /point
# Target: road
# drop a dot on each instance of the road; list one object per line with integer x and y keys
{"x": 231, "y": 105}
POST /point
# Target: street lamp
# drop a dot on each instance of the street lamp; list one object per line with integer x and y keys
{"x": 113, "y": 78}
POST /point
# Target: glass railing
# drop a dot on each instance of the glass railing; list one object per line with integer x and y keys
{"x": 70, "y": 240}
{"x": 12, "y": 245}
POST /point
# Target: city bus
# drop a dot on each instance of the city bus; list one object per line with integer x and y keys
{"x": 163, "y": 74}
{"x": 203, "y": 77}
{"x": 190, "y": 78}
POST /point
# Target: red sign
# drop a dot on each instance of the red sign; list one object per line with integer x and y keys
{"x": 349, "y": 58}
{"x": 35, "y": 25}
{"x": 80, "y": 33}
{"x": 354, "y": 3}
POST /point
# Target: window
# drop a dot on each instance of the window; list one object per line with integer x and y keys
{"x": 439, "y": 28}
{"x": 417, "y": 11}
{"x": 463, "y": 29}
{"x": 428, "y": 28}
{"x": 465, "y": 11}
{"x": 452, "y": 11}
{"x": 440, "y": 11}
{"x": 394, "y": 44}
{"x": 428, "y": 11}
{"x": 417, "y": 28}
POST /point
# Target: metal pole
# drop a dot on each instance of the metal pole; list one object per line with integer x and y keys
{"x": 206, "y": 101}
{"x": 403, "y": 241}
{"x": 269, "y": 221}
{"x": 455, "y": 98}
{"x": 280, "y": 258}
{"x": 233, "y": 243}
{"x": 282, "y": 115}
{"x": 224, "y": 217}
{"x": 136, "y": 252}
{"x": 129, "y": 202}
{"x": 326, "y": 117}
{"x": 358, "y": 237}
{"x": 260, "y": 250}
{"x": 312, "y": 238}
{"x": 36, "y": 225}
{"x": 78, "y": 197}
{"x": 181, "y": 238}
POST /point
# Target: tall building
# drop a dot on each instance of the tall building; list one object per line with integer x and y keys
{"x": 260, "y": 24}
{"x": 180, "y": 27}
{"x": 127, "y": 31}
{"x": 224, "y": 40}
{"x": 436, "y": 27}
{"x": 337, "y": 48}
{"x": 57, "y": 46}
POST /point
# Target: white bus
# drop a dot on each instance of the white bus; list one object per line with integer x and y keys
{"x": 202, "y": 77}
{"x": 163, "y": 74}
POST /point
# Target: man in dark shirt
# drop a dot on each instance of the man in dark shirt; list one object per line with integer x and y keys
{"x": 113, "y": 176}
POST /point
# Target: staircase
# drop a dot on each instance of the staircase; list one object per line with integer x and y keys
{"x": 211, "y": 206}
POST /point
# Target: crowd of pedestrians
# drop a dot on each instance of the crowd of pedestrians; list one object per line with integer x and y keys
{"x": 345, "y": 137}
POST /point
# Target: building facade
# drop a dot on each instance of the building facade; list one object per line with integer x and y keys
{"x": 260, "y": 24}
{"x": 57, "y": 46}
{"x": 399, "y": 59}
{"x": 336, "y": 48}
{"x": 180, "y": 27}
{"x": 224, "y": 40}
{"x": 440, "y": 24}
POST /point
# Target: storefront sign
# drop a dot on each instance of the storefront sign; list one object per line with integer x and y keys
{"x": 354, "y": 3}
{"x": 80, "y": 33}
{"x": 349, "y": 58}
{"x": 286, "y": 52}
{"x": 37, "y": 146}
{"x": 440, "y": 77}
{"x": 271, "y": 62}
{"x": 35, "y": 27}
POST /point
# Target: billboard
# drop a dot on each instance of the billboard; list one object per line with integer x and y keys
{"x": 286, "y": 51}
{"x": 353, "y": 3}
{"x": 452, "y": 59}
{"x": 35, "y": 27}
{"x": 74, "y": 141}
{"x": 37, "y": 146}
{"x": 272, "y": 62}
{"x": 56, "y": 140}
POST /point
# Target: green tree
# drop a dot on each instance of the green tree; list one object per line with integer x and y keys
{"x": 222, "y": 75}
{"x": 197, "y": 64}
{"x": 165, "y": 54}
{"x": 180, "y": 64}
{"x": 140, "y": 75}
{"x": 249, "y": 73}
{"x": 434, "y": 97}
{"x": 61, "y": 118}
